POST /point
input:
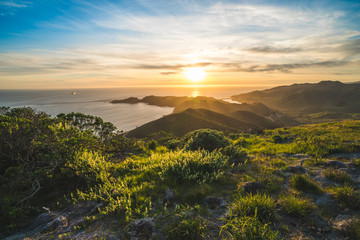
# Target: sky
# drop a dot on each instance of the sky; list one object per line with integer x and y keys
{"x": 76, "y": 43}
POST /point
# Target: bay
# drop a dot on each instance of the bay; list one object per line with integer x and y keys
{"x": 97, "y": 101}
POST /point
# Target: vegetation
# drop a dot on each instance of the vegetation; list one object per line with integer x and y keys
{"x": 338, "y": 176}
{"x": 320, "y": 102}
{"x": 305, "y": 184}
{"x": 348, "y": 196}
{"x": 190, "y": 187}
{"x": 261, "y": 207}
{"x": 296, "y": 206}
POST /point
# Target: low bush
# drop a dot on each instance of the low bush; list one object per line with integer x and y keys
{"x": 354, "y": 228}
{"x": 197, "y": 167}
{"x": 337, "y": 176}
{"x": 247, "y": 228}
{"x": 186, "y": 224}
{"x": 347, "y": 196}
{"x": 305, "y": 184}
{"x": 260, "y": 206}
{"x": 237, "y": 155}
{"x": 296, "y": 206}
{"x": 206, "y": 139}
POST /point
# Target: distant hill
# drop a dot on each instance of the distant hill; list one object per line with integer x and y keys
{"x": 167, "y": 101}
{"x": 189, "y": 120}
{"x": 206, "y": 112}
{"x": 306, "y": 101}
{"x": 192, "y": 119}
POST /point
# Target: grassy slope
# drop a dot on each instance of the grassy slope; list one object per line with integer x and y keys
{"x": 299, "y": 99}
{"x": 206, "y": 112}
{"x": 287, "y": 202}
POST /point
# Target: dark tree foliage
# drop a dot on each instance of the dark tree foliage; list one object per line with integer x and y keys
{"x": 37, "y": 154}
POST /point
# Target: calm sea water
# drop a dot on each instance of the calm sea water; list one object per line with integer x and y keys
{"x": 97, "y": 101}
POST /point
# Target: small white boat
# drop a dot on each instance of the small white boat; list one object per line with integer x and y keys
{"x": 73, "y": 93}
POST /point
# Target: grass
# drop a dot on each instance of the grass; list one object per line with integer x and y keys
{"x": 305, "y": 184}
{"x": 296, "y": 206}
{"x": 347, "y": 196}
{"x": 248, "y": 228}
{"x": 354, "y": 228}
{"x": 186, "y": 223}
{"x": 338, "y": 176}
{"x": 260, "y": 206}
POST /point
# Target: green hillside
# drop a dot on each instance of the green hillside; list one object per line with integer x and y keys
{"x": 75, "y": 176}
{"x": 189, "y": 120}
{"x": 301, "y": 100}
{"x": 206, "y": 112}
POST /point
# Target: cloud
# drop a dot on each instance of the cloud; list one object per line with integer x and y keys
{"x": 14, "y": 4}
{"x": 283, "y": 68}
{"x": 269, "y": 49}
{"x": 168, "y": 73}
{"x": 10, "y": 7}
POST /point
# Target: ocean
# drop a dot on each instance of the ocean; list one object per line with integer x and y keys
{"x": 97, "y": 101}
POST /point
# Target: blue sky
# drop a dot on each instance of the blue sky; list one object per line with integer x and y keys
{"x": 57, "y": 44}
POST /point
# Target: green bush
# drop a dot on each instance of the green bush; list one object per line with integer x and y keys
{"x": 348, "y": 196}
{"x": 277, "y": 138}
{"x": 337, "y": 176}
{"x": 206, "y": 139}
{"x": 260, "y": 206}
{"x": 186, "y": 224}
{"x": 172, "y": 144}
{"x": 152, "y": 144}
{"x": 248, "y": 228}
{"x": 305, "y": 184}
{"x": 354, "y": 228}
{"x": 198, "y": 166}
{"x": 296, "y": 206}
{"x": 237, "y": 155}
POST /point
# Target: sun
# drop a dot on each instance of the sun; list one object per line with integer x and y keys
{"x": 195, "y": 74}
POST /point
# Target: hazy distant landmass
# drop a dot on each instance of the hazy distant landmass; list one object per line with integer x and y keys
{"x": 326, "y": 100}
{"x": 276, "y": 107}
{"x": 191, "y": 113}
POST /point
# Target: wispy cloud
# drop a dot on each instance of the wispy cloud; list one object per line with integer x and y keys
{"x": 159, "y": 39}
{"x": 10, "y": 7}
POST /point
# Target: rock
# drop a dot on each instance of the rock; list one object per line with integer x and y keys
{"x": 348, "y": 156}
{"x": 252, "y": 187}
{"x": 343, "y": 222}
{"x": 143, "y": 228}
{"x": 214, "y": 202}
{"x": 42, "y": 220}
{"x": 55, "y": 224}
{"x": 335, "y": 164}
{"x": 297, "y": 169}
{"x": 299, "y": 155}
{"x": 169, "y": 197}
{"x": 328, "y": 201}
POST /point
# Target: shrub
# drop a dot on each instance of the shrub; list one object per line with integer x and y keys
{"x": 354, "y": 228}
{"x": 277, "y": 138}
{"x": 172, "y": 144}
{"x": 260, "y": 206}
{"x": 237, "y": 155}
{"x": 348, "y": 196}
{"x": 337, "y": 176}
{"x": 248, "y": 228}
{"x": 356, "y": 162}
{"x": 152, "y": 145}
{"x": 305, "y": 184}
{"x": 198, "y": 166}
{"x": 206, "y": 139}
{"x": 186, "y": 224}
{"x": 296, "y": 206}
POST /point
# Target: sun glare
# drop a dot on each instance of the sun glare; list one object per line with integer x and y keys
{"x": 195, "y": 74}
